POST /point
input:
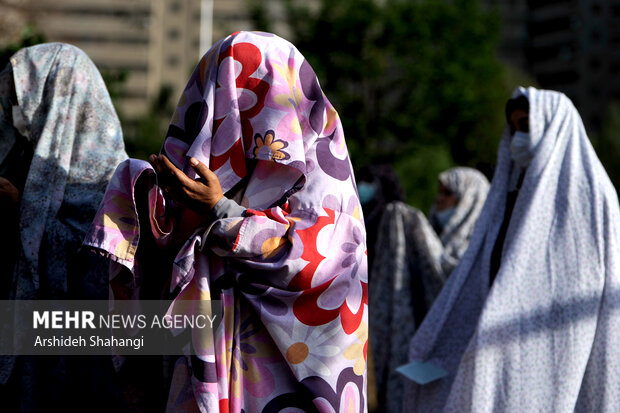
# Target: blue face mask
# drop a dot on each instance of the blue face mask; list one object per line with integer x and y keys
{"x": 366, "y": 191}
{"x": 443, "y": 217}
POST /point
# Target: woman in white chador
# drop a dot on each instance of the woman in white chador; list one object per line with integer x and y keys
{"x": 529, "y": 320}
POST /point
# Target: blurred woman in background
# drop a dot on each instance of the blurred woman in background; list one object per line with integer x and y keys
{"x": 378, "y": 186}
{"x": 413, "y": 257}
{"x": 460, "y": 196}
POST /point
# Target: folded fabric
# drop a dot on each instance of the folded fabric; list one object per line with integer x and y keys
{"x": 290, "y": 272}
{"x": 544, "y": 337}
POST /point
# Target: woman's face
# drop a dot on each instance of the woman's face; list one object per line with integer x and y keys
{"x": 367, "y": 190}
{"x": 445, "y": 198}
{"x": 519, "y": 121}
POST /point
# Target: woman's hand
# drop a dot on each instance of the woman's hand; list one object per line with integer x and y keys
{"x": 8, "y": 192}
{"x": 200, "y": 195}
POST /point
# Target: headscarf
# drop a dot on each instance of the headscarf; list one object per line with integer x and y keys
{"x": 77, "y": 141}
{"x": 412, "y": 263}
{"x": 291, "y": 274}
{"x": 388, "y": 189}
{"x": 470, "y": 187}
{"x": 544, "y": 336}
{"x": 65, "y": 114}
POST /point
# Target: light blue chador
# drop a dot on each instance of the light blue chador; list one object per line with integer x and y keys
{"x": 545, "y": 336}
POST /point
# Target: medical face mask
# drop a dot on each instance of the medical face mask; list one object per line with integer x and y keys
{"x": 521, "y": 150}
{"x": 366, "y": 191}
{"x": 443, "y": 217}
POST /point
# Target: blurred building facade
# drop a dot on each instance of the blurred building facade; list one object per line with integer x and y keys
{"x": 156, "y": 42}
{"x": 568, "y": 45}
{"x": 514, "y": 34}
{"x": 575, "y": 47}
{"x": 233, "y": 15}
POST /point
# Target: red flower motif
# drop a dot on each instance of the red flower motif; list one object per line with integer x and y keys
{"x": 250, "y": 58}
{"x": 306, "y": 307}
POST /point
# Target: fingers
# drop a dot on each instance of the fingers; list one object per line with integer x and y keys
{"x": 167, "y": 169}
{"x": 201, "y": 194}
{"x": 153, "y": 160}
{"x": 202, "y": 170}
{"x": 165, "y": 179}
{"x": 188, "y": 185}
{"x": 210, "y": 179}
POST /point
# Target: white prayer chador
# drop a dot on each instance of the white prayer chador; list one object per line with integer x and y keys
{"x": 546, "y": 336}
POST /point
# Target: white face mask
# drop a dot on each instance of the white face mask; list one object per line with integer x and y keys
{"x": 521, "y": 149}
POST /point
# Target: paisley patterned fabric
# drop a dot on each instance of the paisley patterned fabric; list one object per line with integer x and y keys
{"x": 66, "y": 118}
{"x": 291, "y": 274}
{"x": 410, "y": 268}
{"x": 544, "y": 337}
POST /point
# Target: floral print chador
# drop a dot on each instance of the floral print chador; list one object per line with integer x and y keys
{"x": 291, "y": 273}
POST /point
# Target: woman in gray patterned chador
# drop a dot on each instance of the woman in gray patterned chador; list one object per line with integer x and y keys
{"x": 543, "y": 334}
{"x": 461, "y": 195}
{"x": 413, "y": 258}
{"x": 60, "y": 140}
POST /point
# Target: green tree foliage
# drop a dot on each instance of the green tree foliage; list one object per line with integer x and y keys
{"x": 259, "y": 15}
{"x": 417, "y": 83}
{"x": 607, "y": 144}
{"x": 29, "y": 36}
{"x": 115, "y": 80}
{"x": 147, "y": 135}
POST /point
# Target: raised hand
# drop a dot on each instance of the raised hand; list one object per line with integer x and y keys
{"x": 200, "y": 195}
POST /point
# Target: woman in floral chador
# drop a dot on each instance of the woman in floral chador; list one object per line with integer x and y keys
{"x": 283, "y": 251}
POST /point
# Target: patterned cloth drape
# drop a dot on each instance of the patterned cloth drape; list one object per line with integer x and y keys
{"x": 71, "y": 126}
{"x": 291, "y": 274}
{"x": 412, "y": 263}
{"x": 544, "y": 337}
